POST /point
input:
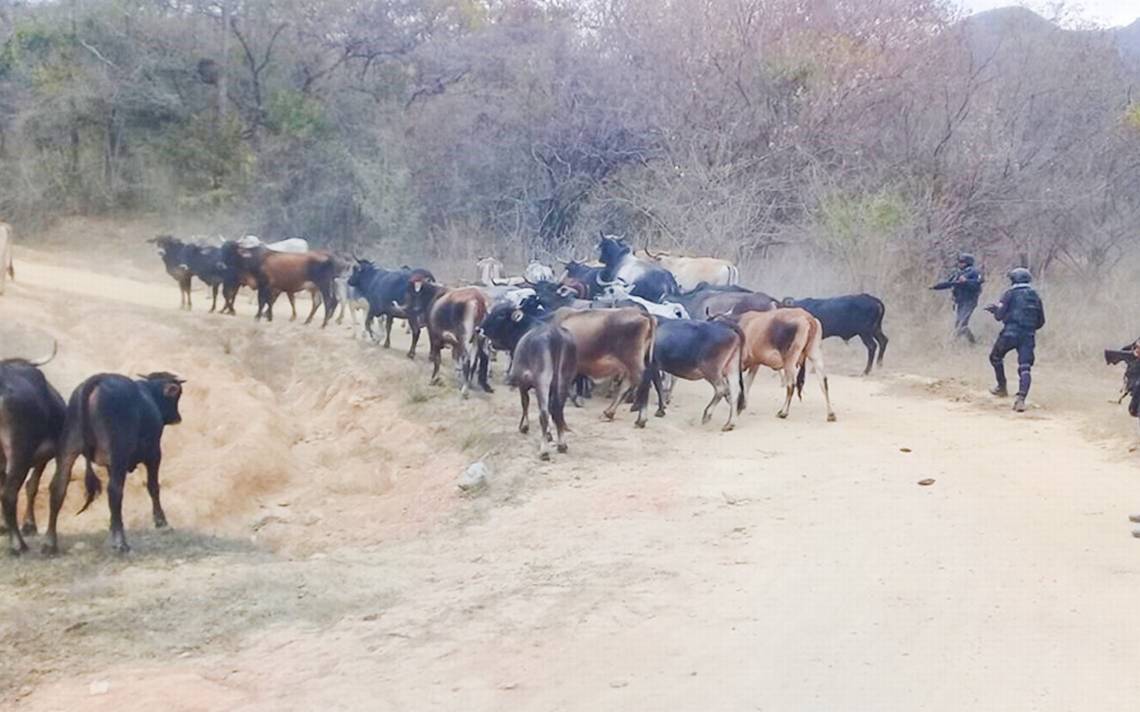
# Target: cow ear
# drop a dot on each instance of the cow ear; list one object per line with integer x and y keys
{"x": 516, "y": 315}
{"x": 171, "y": 390}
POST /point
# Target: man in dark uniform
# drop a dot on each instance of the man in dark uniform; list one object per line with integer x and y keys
{"x": 965, "y": 287}
{"x": 1022, "y": 314}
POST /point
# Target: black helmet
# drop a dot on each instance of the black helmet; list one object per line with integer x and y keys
{"x": 966, "y": 259}
{"x": 1020, "y": 275}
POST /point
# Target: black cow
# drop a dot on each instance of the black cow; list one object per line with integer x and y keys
{"x": 646, "y": 279}
{"x": 849, "y": 316}
{"x": 31, "y": 420}
{"x": 117, "y": 423}
{"x": 544, "y": 358}
{"x": 700, "y": 350}
{"x": 582, "y": 279}
{"x": 184, "y": 261}
{"x": 386, "y": 293}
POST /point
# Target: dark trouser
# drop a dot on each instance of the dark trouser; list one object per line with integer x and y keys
{"x": 963, "y": 311}
{"x": 1006, "y": 342}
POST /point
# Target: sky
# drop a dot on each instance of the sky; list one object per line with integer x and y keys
{"x": 1110, "y": 13}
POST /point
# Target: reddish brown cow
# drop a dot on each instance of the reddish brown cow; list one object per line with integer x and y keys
{"x": 285, "y": 272}
{"x": 783, "y": 340}
{"x": 452, "y": 317}
{"x": 613, "y": 342}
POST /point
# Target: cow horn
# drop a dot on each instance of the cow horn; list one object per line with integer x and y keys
{"x": 603, "y": 283}
{"x": 44, "y": 361}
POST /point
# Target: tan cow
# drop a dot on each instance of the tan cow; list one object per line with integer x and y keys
{"x": 691, "y": 271}
{"x": 452, "y": 317}
{"x": 784, "y": 340}
{"x": 6, "y": 269}
{"x": 613, "y": 342}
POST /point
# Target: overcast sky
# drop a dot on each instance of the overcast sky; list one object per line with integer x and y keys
{"x": 1107, "y": 12}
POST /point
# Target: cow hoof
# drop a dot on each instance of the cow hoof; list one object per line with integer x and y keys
{"x": 29, "y": 529}
{"x": 608, "y": 416}
{"x": 639, "y": 423}
{"x": 488, "y": 389}
{"x": 728, "y": 428}
{"x": 660, "y": 413}
{"x": 121, "y": 549}
{"x": 160, "y": 524}
{"x": 411, "y": 356}
{"x": 831, "y": 417}
{"x": 49, "y": 550}
{"x": 524, "y": 429}
{"x": 781, "y": 415}
{"x": 562, "y": 448}
{"x": 544, "y": 456}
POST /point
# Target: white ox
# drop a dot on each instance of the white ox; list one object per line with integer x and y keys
{"x": 620, "y": 292}
{"x": 490, "y": 272}
{"x": 292, "y": 244}
{"x": 6, "y": 269}
{"x": 691, "y": 271}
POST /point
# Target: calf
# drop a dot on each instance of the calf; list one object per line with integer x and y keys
{"x": 6, "y": 268}
{"x": 386, "y": 291}
{"x": 31, "y": 421}
{"x": 848, "y": 316}
{"x": 696, "y": 350}
{"x": 692, "y": 271}
{"x": 117, "y": 423}
{"x": 784, "y": 340}
{"x": 544, "y": 358}
{"x": 284, "y": 272}
{"x": 452, "y": 317}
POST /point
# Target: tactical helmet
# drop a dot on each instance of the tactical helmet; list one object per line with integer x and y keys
{"x": 966, "y": 259}
{"x": 1020, "y": 275}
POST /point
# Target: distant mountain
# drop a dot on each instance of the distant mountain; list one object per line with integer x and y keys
{"x": 1128, "y": 42}
{"x": 990, "y": 29}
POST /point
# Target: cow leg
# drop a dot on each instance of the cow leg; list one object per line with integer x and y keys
{"x": 613, "y": 406}
{"x": 116, "y": 478}
{"x": 414, "y": 324}
{"x": 292, "y": 305}
{"x": 214, "y": 306}
{"x": 524, "y": 400}
{"x": 483, "y": 363}
{"x": 748, "y": 382}
{"x": 152, "y": 488}
{"x": 542, "y": 395}
{"x": 870, "y": 343}
{"x": 30, "y": 491}
{"x": 388, "y": 332}
{"x": 316, "y": 305}
{"x": 728, "y": 398}
{"x": 788, "y": 378}
{"x": 827, "y": 398}
{"x": 435, "y": 356}
{"x": 58, "y": 491}
{"x": 655, "y": 375}
{"x": 882, "y": 339}
{"x": 18, "y": 463}
{"x": 706, "y": 416}
{"x": 328, "y": 296}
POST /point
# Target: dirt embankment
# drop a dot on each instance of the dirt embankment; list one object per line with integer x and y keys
{"x": 321, "y": 555}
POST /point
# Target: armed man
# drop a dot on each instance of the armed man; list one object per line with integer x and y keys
{"x": 1021, "y": 313}
{"x": 965, "y": 286}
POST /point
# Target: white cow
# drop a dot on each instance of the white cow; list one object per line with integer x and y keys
{"x": 292, "y": 244}
{"x": 6, "y": 269}
{"x": 537, "y": 272}
{"x": 619, "y": 292}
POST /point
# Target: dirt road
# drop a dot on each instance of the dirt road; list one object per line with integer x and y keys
{"x": 322, "y": 557}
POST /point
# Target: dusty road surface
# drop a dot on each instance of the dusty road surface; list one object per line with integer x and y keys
{"x": 322, "y": 558}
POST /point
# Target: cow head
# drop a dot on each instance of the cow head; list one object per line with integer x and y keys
{"x": 506, "y": 324}
{"x": 362, "y": 271}
{"x": 165, "y": 243}
{"x": 612, "y": 250}
{"x": 422, "y": 291}
{"x": 166, "y": 390}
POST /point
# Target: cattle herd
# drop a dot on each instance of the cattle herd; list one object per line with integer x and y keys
{"x": 635, "y": 322}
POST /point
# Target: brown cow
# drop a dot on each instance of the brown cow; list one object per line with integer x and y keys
{"x": 613, "y": 342}
{"x": 452, "y": 317}
{"x": 284, "y": 272}
{"x": 783, "y": 340}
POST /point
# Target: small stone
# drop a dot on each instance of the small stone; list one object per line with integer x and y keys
{"x": 474, "y": 477}
{"x": 616, "y": 684}
{"x": 99, "y": 687}
{"x": 927, "y": 482}
{"x": 904, "y": 449}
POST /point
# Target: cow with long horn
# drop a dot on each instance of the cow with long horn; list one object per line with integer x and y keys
{"x": 646, "y": 280}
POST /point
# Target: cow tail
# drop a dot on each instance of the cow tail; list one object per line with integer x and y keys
{"x": 813, "y": 337}
{"x": 741, "y": 398}
{"x": 641, "y": 399}
{"x": 555, "y": 400}
{"x": 90, "y": 481}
